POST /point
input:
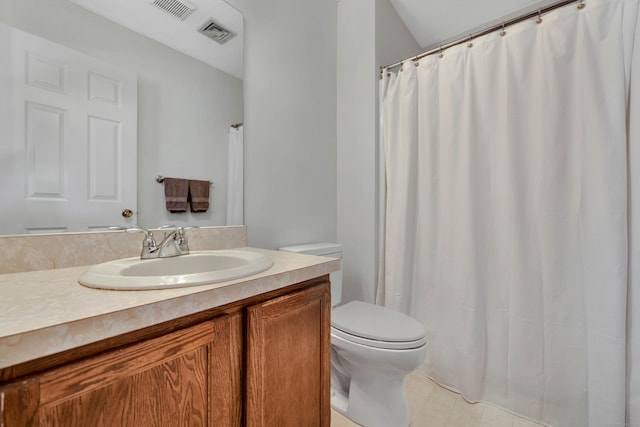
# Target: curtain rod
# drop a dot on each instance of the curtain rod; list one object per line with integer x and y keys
{"x": 489, "y": 30}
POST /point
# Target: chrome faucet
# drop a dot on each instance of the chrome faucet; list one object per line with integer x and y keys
{"x": 174, "y": 243}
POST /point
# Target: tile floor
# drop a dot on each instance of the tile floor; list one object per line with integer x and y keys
{"x": 433, "y": 406}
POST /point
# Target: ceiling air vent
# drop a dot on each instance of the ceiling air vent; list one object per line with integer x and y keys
{"x": 215, "y": 31}
{"x": 179, "y": 9}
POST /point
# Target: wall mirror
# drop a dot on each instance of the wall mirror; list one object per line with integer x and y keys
{"x": 185, "y": 88}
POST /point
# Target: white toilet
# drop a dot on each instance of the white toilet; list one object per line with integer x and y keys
{"x": 373, "y": 348}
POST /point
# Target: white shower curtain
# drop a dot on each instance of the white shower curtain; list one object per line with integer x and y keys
{"x": 235, "y": 183}
{"x": 506, "y": 228}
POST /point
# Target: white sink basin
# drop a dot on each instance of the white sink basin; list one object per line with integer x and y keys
{"x": 196, "y": 268}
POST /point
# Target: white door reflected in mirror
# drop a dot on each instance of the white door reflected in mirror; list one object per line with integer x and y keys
{"x": 69, "y": 161}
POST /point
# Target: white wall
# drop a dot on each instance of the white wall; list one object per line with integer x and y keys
{"x": 311, "y": 79}
{"x": 370, "y": 34}
{"x": 357, "y": 77}
{"x": 290, "y": 121}
{"x": 185, "y": 107}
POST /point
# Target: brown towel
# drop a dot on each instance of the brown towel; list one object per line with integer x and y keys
{"x": 199, "y": 195}
{"x": 176, "y": 192}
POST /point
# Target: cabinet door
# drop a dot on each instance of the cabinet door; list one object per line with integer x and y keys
{"x": 179, "y": 379}
{"x": 288, "y": 360}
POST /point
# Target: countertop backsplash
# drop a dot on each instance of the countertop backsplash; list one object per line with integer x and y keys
{"x": 23, "y": 253}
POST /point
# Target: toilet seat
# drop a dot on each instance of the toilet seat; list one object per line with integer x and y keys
{"x": 376, "y": 326}
{"x": 386, "y": 345}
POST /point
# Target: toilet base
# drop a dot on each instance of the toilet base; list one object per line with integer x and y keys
{"x": 339, "y": 402}
{"x": 388, "y": 408}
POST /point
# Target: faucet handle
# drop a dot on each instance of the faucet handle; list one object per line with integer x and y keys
{"x": 149, "y": 241}
{"x": 149, "y": 244}
{"x": 183, "y": 242}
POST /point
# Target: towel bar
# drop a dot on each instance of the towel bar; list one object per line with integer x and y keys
{"x": 160, "y": 179}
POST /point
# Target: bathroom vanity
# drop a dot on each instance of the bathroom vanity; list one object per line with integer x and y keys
{"x": 253, "y": 351}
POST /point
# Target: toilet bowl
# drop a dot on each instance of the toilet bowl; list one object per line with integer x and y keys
{"x": 373, "y": 348}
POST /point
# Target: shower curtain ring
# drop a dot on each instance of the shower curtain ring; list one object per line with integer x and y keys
{"x": 539, "y": 20}
{"x": 581, "y": 5}
{"x": 503, "y": 32}
{"x": 470, "y": 45}
{"x": 441, "y": 54}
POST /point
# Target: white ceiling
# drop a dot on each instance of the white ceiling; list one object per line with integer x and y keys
{"x": 143, "y": 17}
{"x": 435, "y": 22}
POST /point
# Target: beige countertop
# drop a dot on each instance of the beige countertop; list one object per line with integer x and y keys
{"x": 46, "y": 312}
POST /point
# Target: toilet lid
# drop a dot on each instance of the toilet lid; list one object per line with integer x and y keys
{"x": 376, "y": 323}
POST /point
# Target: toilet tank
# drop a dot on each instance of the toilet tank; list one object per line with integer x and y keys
{"x": 331, "y": 250}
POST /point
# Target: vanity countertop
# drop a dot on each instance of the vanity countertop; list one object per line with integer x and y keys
{"x": 46, "y": 312}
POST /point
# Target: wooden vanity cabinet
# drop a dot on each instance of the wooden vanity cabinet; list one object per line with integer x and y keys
{"x": 264, "y": 361}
